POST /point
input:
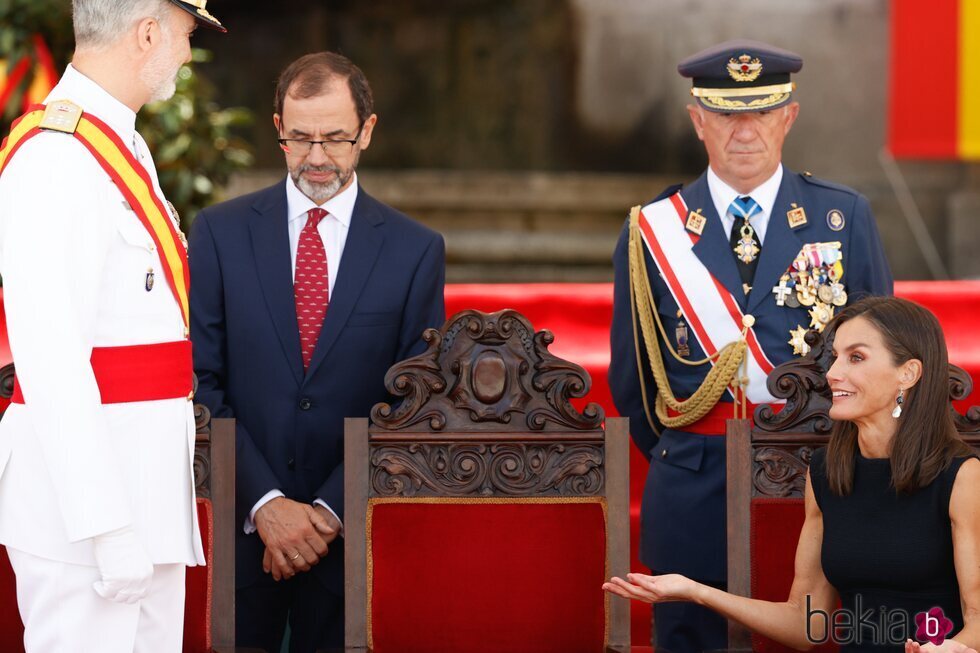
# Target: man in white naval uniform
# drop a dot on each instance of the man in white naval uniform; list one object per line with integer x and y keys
{"x": 96, "y": 481}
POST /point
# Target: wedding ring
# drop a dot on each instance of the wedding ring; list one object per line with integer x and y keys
{"x": 295, "y": 557}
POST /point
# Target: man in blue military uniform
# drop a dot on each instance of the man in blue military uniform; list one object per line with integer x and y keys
{"x": 716, "y": 284}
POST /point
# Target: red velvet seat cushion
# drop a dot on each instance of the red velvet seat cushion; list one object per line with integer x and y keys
{"x": 197, "y": 602}
{"x": 775, "y": 532}
{"x": 197, "y": 607}
{"x": 486, "y": 575}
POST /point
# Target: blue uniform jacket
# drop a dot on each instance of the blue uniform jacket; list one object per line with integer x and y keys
{"x": 683, "y": 511}
{"x": 290, "y": 424}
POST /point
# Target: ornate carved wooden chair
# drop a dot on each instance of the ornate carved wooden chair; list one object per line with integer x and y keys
{"x": 209, "y": 612}
{"x": 767, "y": 464}
{"x": 483, "y": 513}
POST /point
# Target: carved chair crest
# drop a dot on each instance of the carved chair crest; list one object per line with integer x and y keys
{"x": 487, "y": 372}
{"x": 486, "y": 410}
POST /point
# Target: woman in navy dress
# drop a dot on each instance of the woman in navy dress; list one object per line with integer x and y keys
{"x": 892, "y": 530}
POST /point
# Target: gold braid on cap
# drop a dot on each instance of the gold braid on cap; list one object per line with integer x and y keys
{"x": 727, "y": 361}
{"x": 201, "y": 6}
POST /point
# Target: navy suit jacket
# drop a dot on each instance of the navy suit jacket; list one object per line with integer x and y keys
{"x": 691, "y": 538}
{"x": 290, "y": 424}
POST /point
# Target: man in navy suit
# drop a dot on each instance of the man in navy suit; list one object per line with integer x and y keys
{"x": 739, "y": 265}
{"x": 304, "y": 294}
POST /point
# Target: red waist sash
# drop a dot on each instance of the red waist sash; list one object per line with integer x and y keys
{"x": 714, "y": 423}
{"x": 139, "y": 373}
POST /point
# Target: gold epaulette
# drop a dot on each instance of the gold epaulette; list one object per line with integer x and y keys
{"x": 61, "y": 116}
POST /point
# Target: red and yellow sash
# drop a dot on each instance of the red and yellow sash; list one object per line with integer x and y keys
{"x": 132, "y": 180}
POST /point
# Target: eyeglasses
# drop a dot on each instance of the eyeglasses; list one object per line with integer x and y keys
{"x": 333, "y": 148}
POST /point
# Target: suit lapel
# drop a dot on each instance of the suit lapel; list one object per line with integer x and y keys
{"x": 782, "y": 243}
{"x": 712, "y": 249}
{"x": 360, "y": 253}
{"x": 273, "y": 262}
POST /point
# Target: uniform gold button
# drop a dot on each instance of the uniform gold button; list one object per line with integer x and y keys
{"x": 663, "y": 453}
{"x": 748, "y": 321}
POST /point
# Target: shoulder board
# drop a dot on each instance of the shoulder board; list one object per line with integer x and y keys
{"x": 61, "y": 116}
{"x": 670, "y": 190}
{"x": 823, "y": 183}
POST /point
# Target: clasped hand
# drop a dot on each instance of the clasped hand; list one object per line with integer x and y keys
{"x": 296, "y": 535}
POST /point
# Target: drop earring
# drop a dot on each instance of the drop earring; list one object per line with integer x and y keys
{"x": 897, "y": 412}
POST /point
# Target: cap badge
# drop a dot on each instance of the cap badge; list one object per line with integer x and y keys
{"x": 745, "y": 68}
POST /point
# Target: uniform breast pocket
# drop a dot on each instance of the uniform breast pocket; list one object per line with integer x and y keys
{"x": 133, "y": 270}
{"x": 387, "y": 318}
{"x": 134, "y": 234}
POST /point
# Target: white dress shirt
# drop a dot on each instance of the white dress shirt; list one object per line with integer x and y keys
{"x": 333, "y": 229}
{"x": 764, "y": 195}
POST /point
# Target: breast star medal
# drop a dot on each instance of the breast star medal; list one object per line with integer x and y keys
{"x": 798, "y": 341}
{"x": 746, "y": 249}
{"x": 820, "y": 315}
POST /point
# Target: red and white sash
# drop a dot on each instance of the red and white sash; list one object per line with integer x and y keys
{"x": 712, "y": 313}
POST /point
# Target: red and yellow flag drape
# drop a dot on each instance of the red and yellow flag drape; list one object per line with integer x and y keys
{"x": 44, "y": 77}
{"x": 934, "y": 104}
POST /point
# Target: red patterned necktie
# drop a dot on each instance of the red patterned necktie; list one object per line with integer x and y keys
{"x": 310, "y": 287}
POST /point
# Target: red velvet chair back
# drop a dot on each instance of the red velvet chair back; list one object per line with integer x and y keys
{"x": 768, "y": 459}
{"x": 484, "y": 512}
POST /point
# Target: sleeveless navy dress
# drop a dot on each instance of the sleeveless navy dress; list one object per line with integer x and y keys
{"x": 888, "y": 555}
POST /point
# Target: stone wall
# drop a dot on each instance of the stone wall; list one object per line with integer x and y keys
{"x": 524, "y": 129}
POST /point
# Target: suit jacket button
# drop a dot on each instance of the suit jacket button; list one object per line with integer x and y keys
{"x": 663, "y": 453}
{"x": 291, "y": 464}
{"x": 305, "y": 403}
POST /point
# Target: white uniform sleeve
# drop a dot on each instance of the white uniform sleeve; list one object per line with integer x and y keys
{"x": 54, "y": 238}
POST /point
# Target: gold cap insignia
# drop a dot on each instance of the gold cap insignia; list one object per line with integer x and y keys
{"x": 745, "y": 68}
{"x": 201, "y": 7}
{"x": 61, "y": 116}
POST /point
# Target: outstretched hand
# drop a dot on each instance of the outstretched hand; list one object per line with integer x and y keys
{"x": 948, "y": 646}
{"x": 653, "y": 589}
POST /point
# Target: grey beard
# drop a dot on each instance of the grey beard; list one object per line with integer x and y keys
{"x": 320, "y": 193}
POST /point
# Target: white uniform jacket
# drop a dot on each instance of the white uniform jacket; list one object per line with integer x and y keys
{"x": 74, "y": 260}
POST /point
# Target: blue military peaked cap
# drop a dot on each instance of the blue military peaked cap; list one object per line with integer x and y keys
{"x": 741, "y": 75}
{"x": 198, "y": 9}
